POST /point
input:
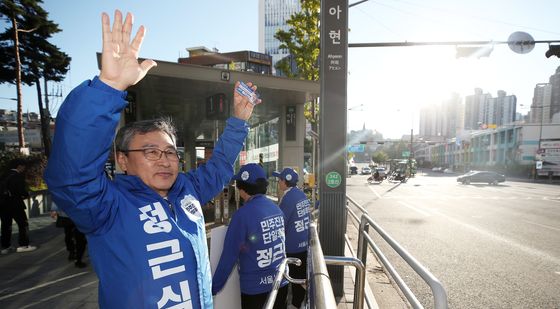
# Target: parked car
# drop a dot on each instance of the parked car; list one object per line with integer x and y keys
{"x": 353, "y": 170}
{"x": 491, "y": 178}
{"x": 437, "y": 169}
{"x": 366, "y": 170}
{"x": 448, "y": 171}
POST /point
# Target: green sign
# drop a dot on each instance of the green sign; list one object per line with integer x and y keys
{"x": 406, "y": 154}
{"x": 333, "y": 179}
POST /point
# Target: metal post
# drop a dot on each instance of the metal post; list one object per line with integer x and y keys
{"x": 360, "y": 276}
{"x": 540, "y": 137}
{"x": 411, "y": 151}
{"x": 362, "y": 244}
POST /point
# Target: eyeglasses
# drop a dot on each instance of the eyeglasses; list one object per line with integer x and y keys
{"x": 154, "y": 154}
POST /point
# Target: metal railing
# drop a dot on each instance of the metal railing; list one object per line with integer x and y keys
{"x": 320, "y": 292}
{"x": 439, "y": 293}
{"x": 282, "y": 272}
{"x": 360, "y": 281}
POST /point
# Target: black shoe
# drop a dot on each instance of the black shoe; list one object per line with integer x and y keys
{"x": 80, "y": 264}
{"x": 71, "y": 256}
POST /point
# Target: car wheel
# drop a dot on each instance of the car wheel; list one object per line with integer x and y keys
{"x": 467, "y": 181}
{"x": 495, "y": 182}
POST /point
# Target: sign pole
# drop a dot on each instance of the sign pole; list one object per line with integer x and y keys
{"x": 332, "y": 173}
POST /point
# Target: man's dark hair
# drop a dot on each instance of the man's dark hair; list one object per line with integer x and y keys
{"x": 252, "y": 189}
{"x": 127, "y": 133}
{"x": 17, "y": 162}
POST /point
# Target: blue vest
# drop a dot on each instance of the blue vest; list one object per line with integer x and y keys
{"x": 295, "y": 206}
{"x": 255, "y": 239}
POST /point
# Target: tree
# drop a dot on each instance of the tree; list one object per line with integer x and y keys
{"x": 395, "y": 150}
{"x": 27, "y": 56}
{"x": 380, "y": 157}
{"x": 303, "y": 43}
{"x": 54, "y": 65}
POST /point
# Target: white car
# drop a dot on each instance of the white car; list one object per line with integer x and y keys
{"x": 366, "y": 170}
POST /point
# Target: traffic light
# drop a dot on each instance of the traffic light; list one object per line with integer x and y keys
{"x": 473, "y": 51}
{"x": 553, "y": 50}
{"x": 217, "y": 107}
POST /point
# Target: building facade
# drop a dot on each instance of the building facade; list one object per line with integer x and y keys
{"x": 273, "y": 16}
{"x": 476, "y": 110}
{"x": 554, "y": 82}
{"x": 542, "y": 103}
{"x": 501, "y": 110}
{"x": 244, "y": 61}
{"x": 514, "y": 150}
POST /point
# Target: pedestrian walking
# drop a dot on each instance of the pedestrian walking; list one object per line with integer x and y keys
{"x": 145, "y": 229}
{"x": 74, "y": 240}
{"x": 255, "y": 240}
{"x": 12, "y": 207}
{"x": 295, "y": 205}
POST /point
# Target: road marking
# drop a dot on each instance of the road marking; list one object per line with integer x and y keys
{"x": 415, "y": 209}
{"x": 42, "y": 285}
{"x": 375, "y": 192}
{"x": 543, "y": 225}
{"x": 551, "y": 198}
{"x": 511, "y": 243}
{"x": 59, "y": 294}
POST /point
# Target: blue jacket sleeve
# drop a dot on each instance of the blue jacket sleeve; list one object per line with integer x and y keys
{"x": 85, "y": 127}
{"x": 233, "y": 242}
{"x": 210, "y": 178}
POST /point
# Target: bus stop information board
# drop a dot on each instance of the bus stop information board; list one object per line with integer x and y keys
{"x": 333, "y": 78}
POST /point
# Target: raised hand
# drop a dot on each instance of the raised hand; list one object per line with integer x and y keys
{"x": 242, "y": 107}
{"x": 119, "y": 61}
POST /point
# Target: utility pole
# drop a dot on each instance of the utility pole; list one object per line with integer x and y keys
{"x": 411, "y": 152}
{"x": 21, "y": 136}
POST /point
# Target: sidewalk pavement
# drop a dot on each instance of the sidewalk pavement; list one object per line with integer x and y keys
{"x": 44, "y": 277}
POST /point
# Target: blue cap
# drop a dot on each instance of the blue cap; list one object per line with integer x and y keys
{"x": 287, "y": 174}
{"x": 250, "y": 173}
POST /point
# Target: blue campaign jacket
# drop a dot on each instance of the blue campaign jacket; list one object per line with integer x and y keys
{"x": 143, "y": 256}
{"x": 295, "y": 206}
{"x": 254, "y": 239}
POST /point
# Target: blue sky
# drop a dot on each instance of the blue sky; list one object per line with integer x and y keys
{"x": 391, "y": 83}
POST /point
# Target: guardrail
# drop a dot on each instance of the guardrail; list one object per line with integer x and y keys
{"x": 360, "y": 276}
{"x": 282, "y": 272}
{"x": 320, "y": 292}
{"x": 364, "y": 239}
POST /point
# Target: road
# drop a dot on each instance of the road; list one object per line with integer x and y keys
{"x": 490, "y": 246}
